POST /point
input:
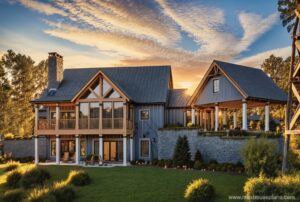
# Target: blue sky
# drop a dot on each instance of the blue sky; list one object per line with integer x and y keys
{"x": 185, "y": 34}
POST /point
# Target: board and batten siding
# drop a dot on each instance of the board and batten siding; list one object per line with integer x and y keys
{"x": 148, "y": 128}
{"x": 227, "y": 92}
{"x": 175, "y": 116}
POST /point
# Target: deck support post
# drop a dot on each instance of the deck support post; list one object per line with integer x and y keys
{"x": 100, "y": 149}
{"x": 244, "y": 114}
{"x": 77, "y": 149}
{"x": 124, "y": 150}
{"x": 193, "y": 116}
{"x": 216, "y": 117}
{"x": 131, "y": 148}
{"x": 234, "y": 119}
{"x": 57, "y": 149}
{"x": 36, "y": 149}
{"x": 267, "y": 117}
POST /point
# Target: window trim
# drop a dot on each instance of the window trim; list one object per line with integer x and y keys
{"x": 140, "y": 148}
{"x": 216, "y": 79}
{"x": 140, "y": 115}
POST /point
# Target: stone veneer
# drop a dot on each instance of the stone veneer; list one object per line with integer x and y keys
{"x": 211, "y": 147}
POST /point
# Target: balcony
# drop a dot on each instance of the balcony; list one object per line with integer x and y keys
{"x": 89, "y": 123}
{"x": 67, "y": 123}
{"x": 112, "y": 123}
{"x": 46, "y": 124}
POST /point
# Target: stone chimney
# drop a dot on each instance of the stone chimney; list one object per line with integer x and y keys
{"x": 55, "y": 70}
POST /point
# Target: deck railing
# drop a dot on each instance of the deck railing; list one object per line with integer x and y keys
{"x": 46, "y": 124}
{"x": 67, "y": 123}
{"x": 112, "y": 123}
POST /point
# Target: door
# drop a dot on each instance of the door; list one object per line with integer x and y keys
{"x": 113, "y": 151}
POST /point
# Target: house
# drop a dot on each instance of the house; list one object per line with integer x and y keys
{"x": 115, "y": 113}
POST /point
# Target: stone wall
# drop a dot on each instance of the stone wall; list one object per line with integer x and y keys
{"x": 211, "y": 147}
{"x": 25, "y": 148}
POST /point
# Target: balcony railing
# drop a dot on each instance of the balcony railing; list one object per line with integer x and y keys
{"x": 67, "y": 123}
{"x": 46, "y": 124}
{"x": 112, "y": 123}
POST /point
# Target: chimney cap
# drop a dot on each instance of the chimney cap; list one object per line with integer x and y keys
{"x": 55, "y": 54}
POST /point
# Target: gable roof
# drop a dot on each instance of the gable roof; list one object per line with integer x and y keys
{"x": 178, "y": 98}
{"x": 141, "y": 84}
{"x": 252, "y": 83}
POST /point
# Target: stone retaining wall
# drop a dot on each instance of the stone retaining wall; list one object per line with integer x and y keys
{"x": 211, "y": 147}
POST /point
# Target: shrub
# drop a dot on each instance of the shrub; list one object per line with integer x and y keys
{"x": 11, "y": 166}
{"x": 79, "y": 178}
{"x": 198, "y": 165}
{"x": 199, "y": 191}
{"x": 15, "y": 195}
{"x": 63, "y": 194}
{"x": 40, "y": 195}
{"x": 13, "y": 179}
{"x": 154, "y": 162}
{"x": 34, "y": 177}
{"x": 161, "y": 163}
{"x": 198, "y": 156}
{"x": 287, "y": 185}
{"x": 260, "y": 156}
{"x": 182, "y": 155}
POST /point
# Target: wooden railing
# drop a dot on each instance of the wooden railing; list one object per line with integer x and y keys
{"x": 67, "y": 123}
{"x": 112, "y": 123}
{"x": 46, "y": 124}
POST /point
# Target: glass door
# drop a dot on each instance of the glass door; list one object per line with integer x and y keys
{"x": 113, "y": 150}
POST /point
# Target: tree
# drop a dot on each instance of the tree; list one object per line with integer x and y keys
{"x": 198, "y": 156}
{"x": 182, "y": 155}
{"x": 286, "y": 9}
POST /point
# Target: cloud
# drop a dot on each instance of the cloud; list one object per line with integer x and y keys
{"x": 42, "y": 7}
{"x": 257, "y": 59}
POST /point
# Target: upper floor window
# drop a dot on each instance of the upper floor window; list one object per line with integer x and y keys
{"x": 216, "y": 85}
{"x": 144, "y": 114}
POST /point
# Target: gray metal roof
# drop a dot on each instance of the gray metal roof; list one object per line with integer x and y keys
{"x": 178, "y": 98}
{"x": 254, "y": 82}
{"x": 140, "y": 84}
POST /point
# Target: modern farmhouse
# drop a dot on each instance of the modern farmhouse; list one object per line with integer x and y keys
{"x": 115, "y": 113}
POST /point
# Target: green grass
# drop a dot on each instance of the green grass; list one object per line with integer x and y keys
{"x": 145, "y": 183}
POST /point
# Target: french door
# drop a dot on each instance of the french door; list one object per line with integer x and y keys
{"x": 112, "y": 150}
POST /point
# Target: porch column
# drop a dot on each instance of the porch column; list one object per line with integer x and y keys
{"x": 244, "y": 114}
{"x": 216, "y": 117}
{"x": 36, "y": 150}
{"x": 100, "y": 149}
{"x": 267, "y": 117}
{"x": 77, "y": 116}
{"x": 212, "y": 123}
{"x": 57, "y": 149}
{"x": 193, "y": 116}
{"x": 200, "y": 118}
{"x": 124, "y": 150}
{"x": 234, "y": 119}
{"x": 131, "y": 148}
{"x": 36, "y": 116}
{"x": 205, "y": 120}
{"x": 57, "y": 117}
{"x": 184, "y": 118}
{"x": 77, "y": 149}
{"x": 224, "y": 114}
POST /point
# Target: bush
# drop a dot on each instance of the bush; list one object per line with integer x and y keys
{"x": 198, "y": 156}
{"x": 11, "y": 166}
{"x": 15, "y": 195}
{"x": 198, "y": 165}
{"x": 34, "y": 177}
{"x": 182, "y": 155}
{"x": 287, "y": 185}
{"x": 199, "y": 191}
{"x": 40, "y": 195}
{"x": 154, "y": 162}
{"x": 79, "y": 178}
{"x": 63, "y": 194}
{"x": 260, "y": 156}
{"x": 13, "y": 179}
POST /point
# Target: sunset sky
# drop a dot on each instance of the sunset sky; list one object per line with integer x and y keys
{"x": 187, "y": 35}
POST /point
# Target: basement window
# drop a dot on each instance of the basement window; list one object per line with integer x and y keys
{"x": 216, "y": 85}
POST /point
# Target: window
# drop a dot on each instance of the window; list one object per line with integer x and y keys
{"x": 94, "y": 115}
{"x": 107, "y": 115}
{"x": 145, "y": 148}
{"x": 82, "y": 148}
{"x": 118, "y": 114}
{"x": 105, "y": 87}
{"x": 144, "y": 114}
{"x": 53, "y": 148}
{"x": 96, "y": 147}
{"x": 216, "y": 87}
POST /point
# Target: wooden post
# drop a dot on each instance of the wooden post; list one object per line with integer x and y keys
{"x": 193, "y": 116}
{"x": 267, "y": 117}
{"x": 234, "y": 119}
{"x": 77, "y": 116}
{"x": 36, "y": 117}
{"x": 244, "y": 113}
{"x": 57, "y": 118}
{"x": 216, "y": 117}
{"x": 77, "y": 149}
{"x": 100, "y": 116}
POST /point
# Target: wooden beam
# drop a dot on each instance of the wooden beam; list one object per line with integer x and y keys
{"x": 295, "y": 91}
{"x": 295, "y": 117}
{"x": 296, "y": 70}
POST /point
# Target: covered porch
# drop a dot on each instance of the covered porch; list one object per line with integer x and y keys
{"x": 89, "y": 150}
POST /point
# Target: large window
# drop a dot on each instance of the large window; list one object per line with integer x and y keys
{"x": 83, "y": 115}
{"x": 216, "y": 87}
{"x": 107, "y": 114}
{"x": 94, "y": 115}
{"x": 118, "y": 114}
{"x": 144, "y": 114}
{"x": 96, "y": 147}
{"x": 82, "y": 147}
{"x": 145, "y": 148}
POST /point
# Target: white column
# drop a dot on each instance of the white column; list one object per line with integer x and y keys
{"x": 234, "y": 119}
{"x": 267, "y": 117}
{"x": 100, "y": 149}
{"x": 184, "y": 119}
{"x": 131, "y": 148}
{"x": 57, "y": 150}
{"x": 244, "y": 114}
{"x": 124, "y": 151}
{"x": 216, "y": 118}
{"x": 36, "y": 116}
{"x": 224, "y": 117}
{"x": 193, "y": 116}
{"x": 36, "y": 150}
{"x": 77, "y": 149}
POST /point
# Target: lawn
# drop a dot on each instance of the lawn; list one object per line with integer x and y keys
{"x": 146, "y": 183}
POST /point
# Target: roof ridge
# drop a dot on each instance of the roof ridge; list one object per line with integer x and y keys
{"x": 243, "y": 66}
